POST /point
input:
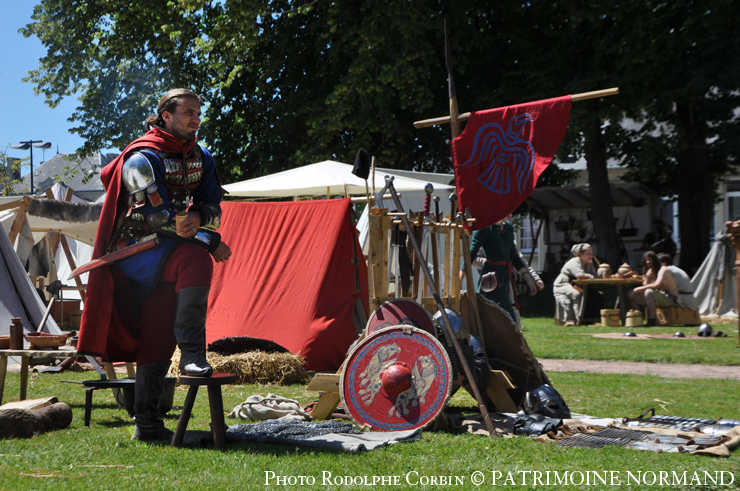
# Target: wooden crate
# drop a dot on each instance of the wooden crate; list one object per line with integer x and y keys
{"x": 60, "y": 311}
{"x": 677, "y": 316}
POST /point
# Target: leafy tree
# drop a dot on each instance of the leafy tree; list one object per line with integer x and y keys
{"x": 9, "y": 169}
{"x": 689, "y": 70}
{"x": 288, "y": 83}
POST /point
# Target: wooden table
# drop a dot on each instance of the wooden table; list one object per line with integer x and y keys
{"x": 618, "y": 282}
{"x": 25, "y": 355}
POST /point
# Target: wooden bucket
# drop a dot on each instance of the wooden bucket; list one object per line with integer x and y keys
{"x": 634, "y": 319}
{"x": 75, "y": 317}
{"x": 610, "y": 317}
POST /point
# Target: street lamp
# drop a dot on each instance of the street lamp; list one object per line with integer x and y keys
{"x": 29, "y": 145}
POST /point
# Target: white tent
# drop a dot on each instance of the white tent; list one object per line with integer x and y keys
{"x": 320, "y": 179}
{"x": 715, "y": 283}
{"x": 38, "y": 222}
{"x": 18, "y": 297}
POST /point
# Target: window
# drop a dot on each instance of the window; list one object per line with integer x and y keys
{"x": 527, "y": 230}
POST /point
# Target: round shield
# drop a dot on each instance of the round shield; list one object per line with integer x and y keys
{"x": 372, "y": 399}
{"x": 400, "y": 311}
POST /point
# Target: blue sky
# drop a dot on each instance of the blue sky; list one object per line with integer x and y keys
{"x": 24, "y": 116}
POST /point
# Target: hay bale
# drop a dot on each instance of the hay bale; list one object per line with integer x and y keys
{"x": 254, "y": 367}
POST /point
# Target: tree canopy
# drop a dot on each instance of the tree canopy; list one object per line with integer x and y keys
{"x": 289, "y": 82}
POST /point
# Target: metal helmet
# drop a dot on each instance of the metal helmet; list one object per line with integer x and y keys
{"x": 478, "y": 349}
{"x": 137, "y": 173}
{"x": 455, "y": 319}
{"x": 705, "y": 330}
{"x": 679, "y": 334}
{"x": 546, "y": 401}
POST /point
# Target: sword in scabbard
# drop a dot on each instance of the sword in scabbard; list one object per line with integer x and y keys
{"x": 116, "y": 256}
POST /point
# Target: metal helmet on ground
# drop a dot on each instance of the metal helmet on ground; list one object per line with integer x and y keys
{"x": 546, "y": 401}
{"x": 705, "y": 330}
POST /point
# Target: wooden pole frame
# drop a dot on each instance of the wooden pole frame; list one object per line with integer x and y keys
{"x": 454, "y": 118}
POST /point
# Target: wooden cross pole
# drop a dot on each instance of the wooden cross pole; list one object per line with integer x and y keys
{"x": 454, "y": 118}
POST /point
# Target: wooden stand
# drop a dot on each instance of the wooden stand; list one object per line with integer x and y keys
{"x": 453, "y": 237}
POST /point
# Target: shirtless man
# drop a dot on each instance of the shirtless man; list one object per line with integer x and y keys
{"x": 664, "y": 291}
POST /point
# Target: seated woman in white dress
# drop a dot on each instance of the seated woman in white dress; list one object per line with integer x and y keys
{"x": 568, "y": 297}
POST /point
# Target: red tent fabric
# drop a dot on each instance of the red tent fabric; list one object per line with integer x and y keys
{"x": 291, "y": 278}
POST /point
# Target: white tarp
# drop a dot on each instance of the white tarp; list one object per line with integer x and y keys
{"x": 320, "y": 179}
{"x": 18, "y": 297}
{"x": 715, "y": 283}
{"x": 80, "y": 237}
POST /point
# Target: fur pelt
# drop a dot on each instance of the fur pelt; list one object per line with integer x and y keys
{"x": 66, "y": 211}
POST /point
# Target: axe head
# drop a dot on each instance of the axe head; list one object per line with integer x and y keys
{"x": 362, "y": 164}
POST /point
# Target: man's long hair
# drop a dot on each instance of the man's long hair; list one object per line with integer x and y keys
{"x": 169, "y": 103}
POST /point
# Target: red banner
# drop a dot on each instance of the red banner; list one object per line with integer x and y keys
{"x": 501, "y": 154}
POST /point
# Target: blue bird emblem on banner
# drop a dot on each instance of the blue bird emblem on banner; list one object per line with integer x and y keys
{"x": 501, "y": 151}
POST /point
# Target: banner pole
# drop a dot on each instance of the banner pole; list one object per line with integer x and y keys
{"x": 464, "y": 116}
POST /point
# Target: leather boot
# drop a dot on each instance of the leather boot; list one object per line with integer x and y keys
{"x": 190, "y": 331}
{"x": 147, "y": 393}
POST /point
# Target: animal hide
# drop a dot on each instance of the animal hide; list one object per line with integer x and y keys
{"x": 65, "y": 211}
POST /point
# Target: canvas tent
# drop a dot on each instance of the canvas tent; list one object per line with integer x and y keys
{"x": 18, "y": 297}
{"x": 77, "y": 220}
{"x": 715, "y": 283}
{"x": 295, "y": 277}
{"x": 320, "y": 179}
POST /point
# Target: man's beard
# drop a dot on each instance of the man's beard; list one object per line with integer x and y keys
{"x": 185, "y": 134}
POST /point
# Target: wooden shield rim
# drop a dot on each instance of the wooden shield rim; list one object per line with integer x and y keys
{"x": 378, "y": 333}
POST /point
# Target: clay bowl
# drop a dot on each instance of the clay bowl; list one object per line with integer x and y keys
{"x": 4, "y": 342}
{"x": 44, "y": 340}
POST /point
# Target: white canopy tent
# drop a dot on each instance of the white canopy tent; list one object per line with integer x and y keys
{"x": 320, "y": 179}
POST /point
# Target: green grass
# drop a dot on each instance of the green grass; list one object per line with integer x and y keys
{"x": 550, "y": 341}
{"x": 76, "y": 458}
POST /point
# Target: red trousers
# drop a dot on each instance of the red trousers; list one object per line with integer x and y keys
{"x": 188, "y": 266}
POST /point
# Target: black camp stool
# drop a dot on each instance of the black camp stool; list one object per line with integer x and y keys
{"x": 214, "y": 383}
{"x": 93, "y": 385}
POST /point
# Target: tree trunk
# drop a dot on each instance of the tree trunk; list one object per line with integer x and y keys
{"x": 609, "y": 247}
{"x": 694, "y": 186}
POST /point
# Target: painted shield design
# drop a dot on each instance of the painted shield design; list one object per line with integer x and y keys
{"x": 368, "y": 395}
{"x": 400, "y": 311}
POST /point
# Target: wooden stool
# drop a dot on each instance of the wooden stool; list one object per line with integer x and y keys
{"x": 214, "y": 383}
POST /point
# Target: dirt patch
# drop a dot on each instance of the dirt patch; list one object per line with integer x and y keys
{"x": 634, "y": 368}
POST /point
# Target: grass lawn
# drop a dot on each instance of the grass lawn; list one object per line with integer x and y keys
{"x": 104, "y": 457}
{"x": 550, "y": 341}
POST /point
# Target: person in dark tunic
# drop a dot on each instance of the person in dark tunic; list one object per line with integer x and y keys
{"x": 501, "y": 256}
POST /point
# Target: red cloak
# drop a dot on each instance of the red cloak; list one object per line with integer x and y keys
{"x": 109, "y": 327}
